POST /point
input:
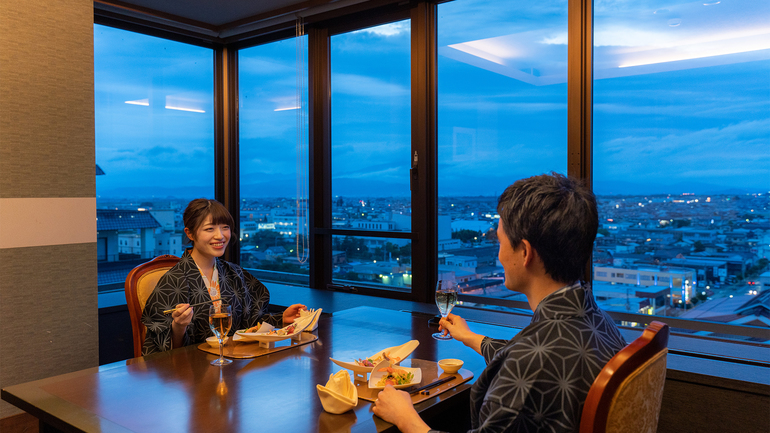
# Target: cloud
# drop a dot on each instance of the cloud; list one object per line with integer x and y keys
{"x": 387, "y": 30}
{"x": 352, "y": 84}
{"x": 260, "y": 66}
{"x": 733, "y": 155}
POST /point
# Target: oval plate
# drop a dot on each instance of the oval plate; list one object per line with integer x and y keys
{"x": 400, "y": 352}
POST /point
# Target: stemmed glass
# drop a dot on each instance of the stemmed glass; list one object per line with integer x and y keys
{"x": 446, "y": 297}
{"x": 220, "y": 321}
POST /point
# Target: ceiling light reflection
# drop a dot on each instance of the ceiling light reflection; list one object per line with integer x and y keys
{"x": 145, "y": 102}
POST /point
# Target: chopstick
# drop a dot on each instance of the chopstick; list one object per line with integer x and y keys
{"x": 432, "y": 384}
{"x": 194, "y": 305}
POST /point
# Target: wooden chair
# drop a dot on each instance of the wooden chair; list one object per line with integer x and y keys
{"x": 627, "y": 394}
{"x": 140, "y": 283}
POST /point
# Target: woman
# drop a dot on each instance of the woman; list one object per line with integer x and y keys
{"x": 201, "y": 276}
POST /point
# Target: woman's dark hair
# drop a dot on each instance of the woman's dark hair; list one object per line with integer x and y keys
{"x": 558, "y": 216}
{"x": 197, "y": 211}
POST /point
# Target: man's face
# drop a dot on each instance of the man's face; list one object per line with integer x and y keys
{"x": 507, "y": 258}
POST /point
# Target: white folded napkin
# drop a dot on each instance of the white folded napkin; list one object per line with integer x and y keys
{"x": 339, "y": 395}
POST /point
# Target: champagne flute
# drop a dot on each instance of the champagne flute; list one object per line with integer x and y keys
{"x": 220, "y": 321}
{"x": 446, "y": 297}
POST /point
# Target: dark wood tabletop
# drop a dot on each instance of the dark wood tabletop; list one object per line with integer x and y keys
{"x": 180, "y": 391}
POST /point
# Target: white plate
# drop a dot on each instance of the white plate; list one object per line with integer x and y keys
{"x": 377, "y": 375}
{"x": 263, "y": 337}
{"x": 311, "y": 316}
{"x": 402, "y": 352}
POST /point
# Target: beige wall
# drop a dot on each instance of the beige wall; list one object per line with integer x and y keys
{"x": 48, "y": 275}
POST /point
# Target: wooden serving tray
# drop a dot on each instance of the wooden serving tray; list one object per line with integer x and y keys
{"x": 430, "y": 373}
{"x": 252, "y": 349}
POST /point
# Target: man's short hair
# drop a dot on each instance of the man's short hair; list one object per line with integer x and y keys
{"x": 558, "y": 216}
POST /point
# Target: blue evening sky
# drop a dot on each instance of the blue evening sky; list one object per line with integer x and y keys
{"x": 681, "y": 103}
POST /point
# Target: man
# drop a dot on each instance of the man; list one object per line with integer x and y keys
{"x": 538, "y": 380}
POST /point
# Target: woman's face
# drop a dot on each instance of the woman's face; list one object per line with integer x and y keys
{"x": 211, "y": 239}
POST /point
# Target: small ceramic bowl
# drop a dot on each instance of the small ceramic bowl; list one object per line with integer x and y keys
{"x": 450, "y": 366}
{"x": 213, "y": 342}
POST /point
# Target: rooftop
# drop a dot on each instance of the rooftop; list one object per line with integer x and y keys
{"x": 124, "y": 220}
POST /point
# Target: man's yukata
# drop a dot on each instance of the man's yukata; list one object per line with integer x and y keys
{"x": 539, "y": 380}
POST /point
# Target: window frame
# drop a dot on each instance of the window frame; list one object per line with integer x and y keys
{"x": 423, "y": 15}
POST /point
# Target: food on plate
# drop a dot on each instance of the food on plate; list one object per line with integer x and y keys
{"x": 252, "y": 329}
{"x": 283, "y": 331}
{"x": 395, "y": 376}
{"x": 371, "y": 362}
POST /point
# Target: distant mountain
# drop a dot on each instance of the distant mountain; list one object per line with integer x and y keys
{"x": 344, "y": 187}
{"x": 142, "y": 192}
{"x": 618, "y": 187}
{"x": 287, "y": 187}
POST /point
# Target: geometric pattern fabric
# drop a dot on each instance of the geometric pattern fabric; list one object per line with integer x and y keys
{"x": 183, "y": 284}
{"x": 538, "y": 381}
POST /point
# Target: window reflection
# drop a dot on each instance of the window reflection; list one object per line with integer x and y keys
{"x": 154, "y": 145}
{"x": 502, "y": 116}
{"x": 681, "y": 158}
{"x": 273, "y": 124}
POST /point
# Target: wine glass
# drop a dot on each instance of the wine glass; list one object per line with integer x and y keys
{"x": 220, "y": 321}
{"x": 446, "y": 297}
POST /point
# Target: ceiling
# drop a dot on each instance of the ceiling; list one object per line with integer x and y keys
{"x": 219, "y": 18}
{"x": 216, "y": 13}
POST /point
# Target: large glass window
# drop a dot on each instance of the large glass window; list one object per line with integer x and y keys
{"x": 502, "y": 116}
{"x": 682, "y": 158}
{"x": 154, "y": 145}
{"x": 273, "y": 160}
{"x": 371, "y": 153}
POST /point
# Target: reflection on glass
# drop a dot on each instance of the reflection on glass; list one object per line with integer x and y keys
{"x": 154, "y": 145}
{"x": 369, "y": 261}
{"x": 502, "y": 116}
{"x": 681, "y": 157}
{"x": 370, "y": 106}
{"x": 272, "y": 115}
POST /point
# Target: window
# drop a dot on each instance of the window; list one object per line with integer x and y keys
{"x": 371, "y": 155}
{"x": 502, "y": 116}
{"x": 154, "y": 143}
{"x": 681, "y": 147}
{"x": 669, "y": 133}
{"x": 273, "y": 160}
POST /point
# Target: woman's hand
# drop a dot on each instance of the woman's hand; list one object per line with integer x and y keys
{"x": 458, "y": 328}
{"x": 396, "y": 408}
{"x": 292, "y": 313}
{"x": 182, "y": 316}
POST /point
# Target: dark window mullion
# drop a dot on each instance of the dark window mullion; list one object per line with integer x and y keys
{"x": 226, "y": 169}
{"x": 424, "y": 176}
{"x": 580, "y": 95}
{"x": 319, "y": 153}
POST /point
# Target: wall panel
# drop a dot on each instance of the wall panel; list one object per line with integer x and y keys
{"x": 48, "y": 301}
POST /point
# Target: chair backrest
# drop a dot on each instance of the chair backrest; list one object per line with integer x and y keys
{"x": 140, "y": 283}
{"x": 627, "y": 394}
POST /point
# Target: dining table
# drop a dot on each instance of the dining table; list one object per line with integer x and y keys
{"x": 180, "y": 391}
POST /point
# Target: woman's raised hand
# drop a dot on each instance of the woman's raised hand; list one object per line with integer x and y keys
{"x": 183, "y": 315}
{"x": 292, "y": 313}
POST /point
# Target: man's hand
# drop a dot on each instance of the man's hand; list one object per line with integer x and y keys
{"x": 460, "y": 331}
{"x": 292, "y": 313}
{"x": 396, "y": 408}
